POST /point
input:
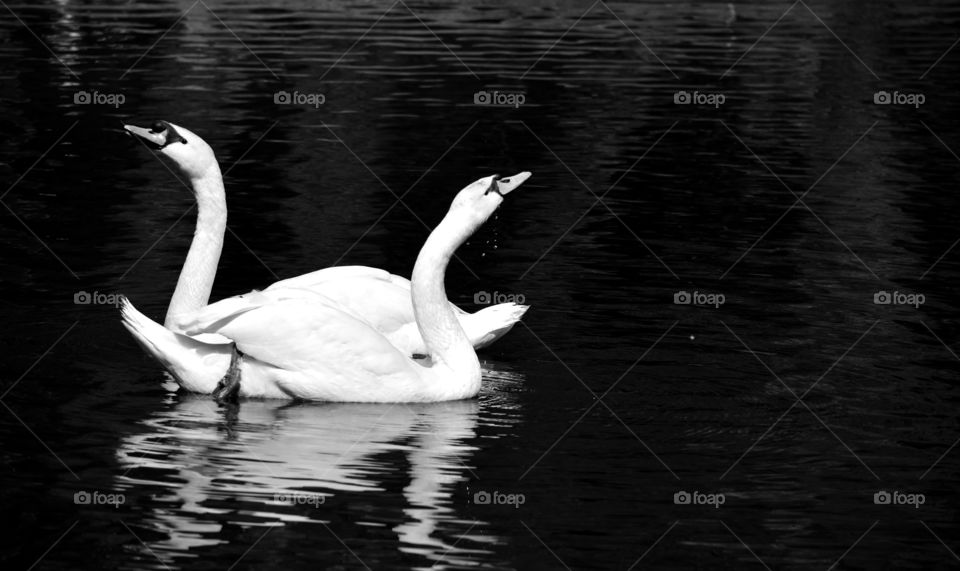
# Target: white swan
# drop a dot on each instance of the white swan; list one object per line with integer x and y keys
{"x": 380, "y": 298}
{"x": 301, "y": 344}
{"x": 198, "y": 362}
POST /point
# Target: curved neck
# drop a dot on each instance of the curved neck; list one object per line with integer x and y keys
{"x": 438, "y": 324}
{"x": 200, "y": 267}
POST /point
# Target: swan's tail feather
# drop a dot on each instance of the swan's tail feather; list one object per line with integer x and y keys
{"x": 158, "y": 341}
{"x": 491, "y": 323}
{"x": 192, "y": 363}
{"x": 143, "y": 329}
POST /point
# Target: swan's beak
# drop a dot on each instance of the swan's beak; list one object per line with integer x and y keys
{"x": 505, "y": 185}
{"x": 155, "y": 140}
{"x": 158, "y": 136}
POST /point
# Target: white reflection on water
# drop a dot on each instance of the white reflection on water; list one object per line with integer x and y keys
{"x": 208, "y": 466}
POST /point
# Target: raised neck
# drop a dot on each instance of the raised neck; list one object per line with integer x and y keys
{"x": 441, "y": 331}
{"x": 200, "y": 268}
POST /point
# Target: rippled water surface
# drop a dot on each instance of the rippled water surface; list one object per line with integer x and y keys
{"x": 783, "y": 200}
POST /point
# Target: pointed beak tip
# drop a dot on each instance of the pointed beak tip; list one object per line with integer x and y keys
{"x": 153, "y": 140}
{"x": 510, "y": 183}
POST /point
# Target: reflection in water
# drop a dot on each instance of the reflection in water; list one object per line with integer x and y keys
{"x": 273, "y": 463}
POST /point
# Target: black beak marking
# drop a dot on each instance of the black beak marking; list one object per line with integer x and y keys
{"x": 493, "y": 186}
{"x": 171, "y": 135}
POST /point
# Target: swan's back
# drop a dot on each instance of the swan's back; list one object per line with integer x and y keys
{"x": 382, "y": 303}
{"x": 313, "y": 279}
{"x": 314, "y": 349}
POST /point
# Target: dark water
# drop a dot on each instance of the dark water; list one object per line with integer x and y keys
{"x": 798, "y": 398}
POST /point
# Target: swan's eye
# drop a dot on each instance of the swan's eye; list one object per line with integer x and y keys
{"x": 158, "y": 127}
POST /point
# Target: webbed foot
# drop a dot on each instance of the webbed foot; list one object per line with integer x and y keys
{"x": 228, "y": 389}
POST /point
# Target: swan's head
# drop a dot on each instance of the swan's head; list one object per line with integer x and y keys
{"x": 194, "y": 156}
{"x": 481, "y": 198}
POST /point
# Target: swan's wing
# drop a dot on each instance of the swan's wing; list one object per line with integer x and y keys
{"x": 381, "y": 303}
{"x": 377, "y": 296}
{"x": 308, "y": 335}
{"x": 380, "y": 299}
{"x": 372, "y": 298}
{"x": 397, "y": 284}
{"x": 404, "y": 283}
{"x": 211, "y": 338}
{"x": 209, "y": 319}
{"x": 328, "y": 274}
{"x": 400, "y": 281}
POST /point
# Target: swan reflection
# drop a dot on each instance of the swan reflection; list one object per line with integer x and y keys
{"x": 273, "y": 463}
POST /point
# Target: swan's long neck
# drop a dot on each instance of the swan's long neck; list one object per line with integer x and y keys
{"x": 441, "y": 331}
{"x": 200, "y": 267}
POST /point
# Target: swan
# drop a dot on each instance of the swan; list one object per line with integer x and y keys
{"x": 375, "y": 295}
{"x": 297, "y": 343}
